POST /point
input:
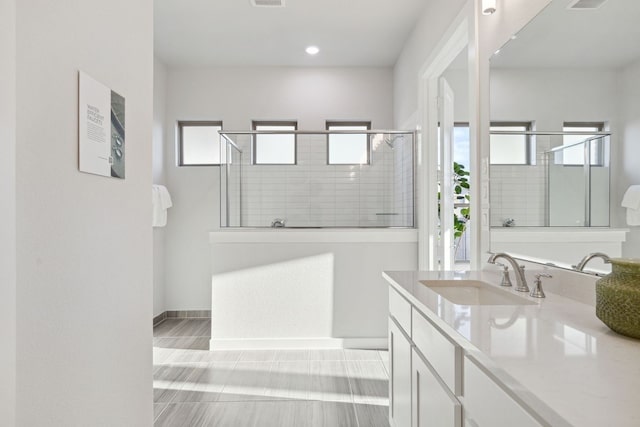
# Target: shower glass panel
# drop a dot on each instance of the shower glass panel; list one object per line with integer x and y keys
{"x": 578, "y": 183}
{"x": 564, "y": 184}
{"x": 312, "y": 193}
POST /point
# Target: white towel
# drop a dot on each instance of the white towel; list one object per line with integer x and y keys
{"x": 161, "y": 201}
{"x": 633, "y": 216}
{"x": 631, "y": 199}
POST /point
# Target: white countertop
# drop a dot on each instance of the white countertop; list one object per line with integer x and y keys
{"x": 555, "y": 356}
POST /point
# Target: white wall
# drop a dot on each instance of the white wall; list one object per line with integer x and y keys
{"x": 8, "y": 211}
{"x": 630, "y": 153}
{"x": 84, "y": 244}
{"x": 158, "y": 177}
{"x": 458, "y": 80}
{"x": 236, "y": 96}
{"x": 435, "y": 20}
{"x": 553, "y": 96}
{"x": 305, "y": 284}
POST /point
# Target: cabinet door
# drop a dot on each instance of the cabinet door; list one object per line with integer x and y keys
{"x": 487, "y": 405}
{"x": 400, "y": 381}
{"x": 433, "y": 403}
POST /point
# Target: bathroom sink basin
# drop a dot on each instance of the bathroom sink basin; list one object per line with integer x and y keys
{"x": 474, "y": 292}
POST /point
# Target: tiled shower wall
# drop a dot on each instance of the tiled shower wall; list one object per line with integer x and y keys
{"x": 314, "y": 194}
{"x": 403, "y": 181}
{"x": 519, "y": 192}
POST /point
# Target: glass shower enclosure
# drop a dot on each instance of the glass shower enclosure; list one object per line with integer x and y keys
{"x": 317, "y": 179}
{"x": 566, "y": 183}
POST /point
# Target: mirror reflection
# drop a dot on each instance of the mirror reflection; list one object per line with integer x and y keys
{"x": 558, "y": 113}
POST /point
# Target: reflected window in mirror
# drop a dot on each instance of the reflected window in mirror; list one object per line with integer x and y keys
{"x": 574, "y": 156}
{"x": 514, "y": 149}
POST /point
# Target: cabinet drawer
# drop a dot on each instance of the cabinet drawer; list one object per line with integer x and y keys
{"x": 400, "y": 309}
{"x": 444, "y": 356}
{"x": 432, "y": 402}
{"x": 488, "y": 405}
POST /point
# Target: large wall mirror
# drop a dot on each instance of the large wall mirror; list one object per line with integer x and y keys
{"x": 557, "y": 123}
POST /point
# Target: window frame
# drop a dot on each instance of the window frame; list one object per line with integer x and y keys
{"x": 528, "y": 125}
{"x": 348, "y": 123}
{"x": 600, "y": 127}
{"x": 194, "y": 123}
{"x": 254, "y": 140}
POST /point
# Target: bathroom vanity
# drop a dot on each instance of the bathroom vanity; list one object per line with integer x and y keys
{"x": 484, "y": 356}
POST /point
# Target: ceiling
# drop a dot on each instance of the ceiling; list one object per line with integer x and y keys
{"x": 608, "y": 37}
{"x": 349, "y": 33}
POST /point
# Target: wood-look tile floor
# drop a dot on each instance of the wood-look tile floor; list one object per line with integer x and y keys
{"x": 197, "y": 387}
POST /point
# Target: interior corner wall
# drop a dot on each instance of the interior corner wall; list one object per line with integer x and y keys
{"x": 158, "y": 177}
{"x": 433, "y": 23}
{"x": 629, "y": 154}
{"x": 237, "y": 96}
{"x": 84, "y": 242}
{"x": 8, "y": 212}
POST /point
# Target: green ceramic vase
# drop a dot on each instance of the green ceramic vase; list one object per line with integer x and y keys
{"x": 618, "y": 297}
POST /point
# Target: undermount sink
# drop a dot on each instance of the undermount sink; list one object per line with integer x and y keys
{"x": 474, "y": 292}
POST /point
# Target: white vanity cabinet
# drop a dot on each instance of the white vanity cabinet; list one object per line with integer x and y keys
{"x": 400, "y": 378}
{"x": 488, "y": 405}
{"x": 434, "y": 383}
{"x": 432, "y": 402}
{"x": 421, "y": 394}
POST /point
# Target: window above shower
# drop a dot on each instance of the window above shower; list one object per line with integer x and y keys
{"x": 199, "y": 143}
{"x": 513, "y": 148}
{"x": 272, "y": 148}
{"x": 370, "y": 183}
{"x": 348, "y": 149}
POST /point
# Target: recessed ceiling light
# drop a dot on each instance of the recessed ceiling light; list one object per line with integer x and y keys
{"x": 312, "y": 50}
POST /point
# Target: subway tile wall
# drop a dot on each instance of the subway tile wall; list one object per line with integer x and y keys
{"x": 519, "y": 192}
{"x": 314, "y": 194}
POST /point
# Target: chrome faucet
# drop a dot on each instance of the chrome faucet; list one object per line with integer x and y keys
{"x": 518, "y": 270}
{"x": 583, "y": 263}
{"x": 278, "y": 223}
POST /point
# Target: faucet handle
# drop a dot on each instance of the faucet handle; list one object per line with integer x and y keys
{"x": 506, "y": 280}
{"x": 504, "y": 266}
{"x": 537, "y": 291}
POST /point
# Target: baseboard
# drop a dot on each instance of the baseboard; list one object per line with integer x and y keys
{"x": 302, "y": 343}
{"x": 188, "y": 314}
{"x": 181, "y": 314}
{"x": 159, "y": 318}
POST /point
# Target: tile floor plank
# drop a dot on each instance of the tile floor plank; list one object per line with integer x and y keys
{"x": 205, "y": 383}
{"x": 157, "y": 409}
{"x": 289, "y": 380}
{"x": 262, "y": 388}
{"x": 182, "y": 415}
{"x": 247, "y": 381}
{"x": 329, "y": 381}
{"x": 369, "y": 382}
{"x": 333, "y": 414}
{"x": 167, "y": 380}
{"x": 258, "y": 356}
{"x": 165, "y": 329}
{"x": 372, "y": 415}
